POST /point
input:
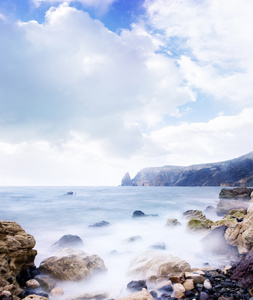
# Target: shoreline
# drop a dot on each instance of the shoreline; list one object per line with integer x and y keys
{"x": 221, "y": 275}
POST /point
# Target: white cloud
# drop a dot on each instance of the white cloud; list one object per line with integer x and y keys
{"x": 215, "y": 40}
{"x": 72, "y": 73}
{"x": 222, "y": 138}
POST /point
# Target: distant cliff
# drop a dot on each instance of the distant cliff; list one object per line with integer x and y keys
{"x": 235, "y": 172}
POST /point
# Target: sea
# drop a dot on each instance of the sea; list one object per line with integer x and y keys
{"x": 48, "y": 213}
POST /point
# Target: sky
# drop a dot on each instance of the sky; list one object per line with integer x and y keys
{"x": 92, "y": 89}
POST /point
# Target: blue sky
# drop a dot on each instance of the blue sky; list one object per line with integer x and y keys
{"x": 91, "y": 89}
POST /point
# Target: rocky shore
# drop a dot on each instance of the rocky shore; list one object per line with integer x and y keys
{"x": 156, "y": 274}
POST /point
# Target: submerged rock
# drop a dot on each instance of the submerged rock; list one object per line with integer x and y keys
{"x": 137, "y": 285}
{"x": 89, "y": 296}
{"x": 132, "y": 239}
{"x": 70, "y": 264}
{"x": 68, "y": 240}
{"x": 100, "y": 224}
{"x": 143, "y": 295}
{"x": 157, "y": 264}
{"x": 161, "y": 246}
{"x": 214, "y": 242}
{"x": 46, "y": 282}
{"x": 172, "y": 223}
{"x": 70, "y": 193}
{"x": 140, "y": 214}
{"x": 224, "y": 206}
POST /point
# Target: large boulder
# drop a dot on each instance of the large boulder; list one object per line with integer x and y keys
{"x": 154, "y": 264}
{"x": 240, "y": 234}
{"x": 16, "y": 253}
{"x": 197, "y": 225}
{"x": 243, "y": 273}
{"x": 236, "y": 193}
{"x": 73, "y": 265}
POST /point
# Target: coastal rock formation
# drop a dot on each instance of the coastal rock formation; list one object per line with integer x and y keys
{"x": 236, "y": 193}
{"x": 240, "y": 234}
{"x": 70, "y": 264}
{"x": 235, "y": 172}
{"x": 154, "y": 264}
{"x": 126, "y": 180}
{"x": 16, "y": 253}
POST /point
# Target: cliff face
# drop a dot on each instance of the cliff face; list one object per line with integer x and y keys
{"x": 235, "y": 172}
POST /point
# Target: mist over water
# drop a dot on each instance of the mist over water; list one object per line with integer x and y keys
{"x": 48, "y": 214}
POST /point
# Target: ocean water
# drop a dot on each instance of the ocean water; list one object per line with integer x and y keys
{"x": 48, "y": 213}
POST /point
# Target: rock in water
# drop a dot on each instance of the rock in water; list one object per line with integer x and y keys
{"x": 16, "y": 252}
{"x": 156, "y": 264}
{"x": 199, "y": 225}
{"x": 172, "y": 223}
{"x": 126, "y": 180}
{"x": 236, "y": 193}
{"x": 194, "y": 214}
{"x": 138, "y": 214}
{"x": 70, "y": 264}
{"x": 68, "y": 240}
{"x": 100, "y": 224}
{"x": 137, "y": 285}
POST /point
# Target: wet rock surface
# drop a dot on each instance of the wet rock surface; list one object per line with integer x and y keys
{"x": 141, "y": 214}
{"x": 157, "y": 264}
{"x": 16, "y": 254}
{"x": 236, "y": 193}
{"x": 70, "y": 264}
{"x": 68, "y": 240}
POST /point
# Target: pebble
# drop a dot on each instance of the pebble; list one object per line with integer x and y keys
{"x": 32, "y": 284}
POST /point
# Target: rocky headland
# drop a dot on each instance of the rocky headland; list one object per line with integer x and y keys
{"x": 156, "y": 274}
{"x": 235, "y": 172}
